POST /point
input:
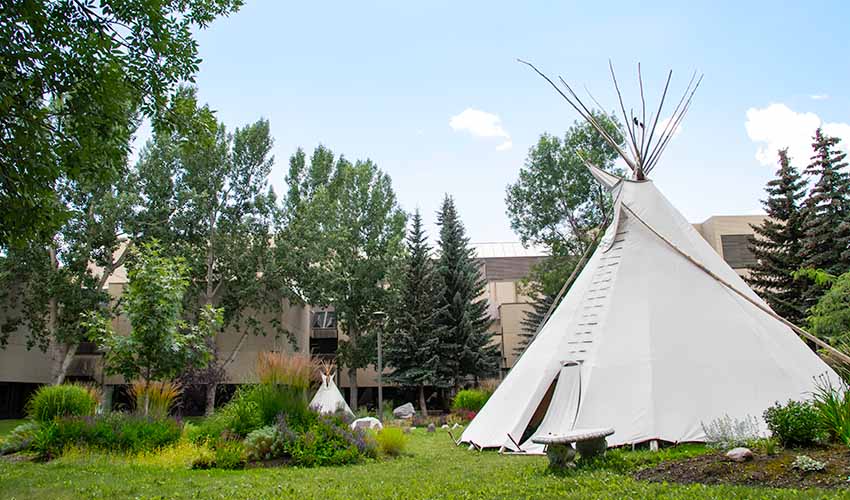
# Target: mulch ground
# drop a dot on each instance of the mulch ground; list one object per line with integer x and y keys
{"x": 763, "y": 470}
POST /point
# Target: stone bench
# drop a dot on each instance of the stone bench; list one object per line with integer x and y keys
{"x": 589, "y": 443}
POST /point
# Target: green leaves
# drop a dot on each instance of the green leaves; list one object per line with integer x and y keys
{"x": 465, "y": 345}
{"x": 73, "y": 74}
{"x": 556, "y": 203}
{"x": 160, "y": 344}
{"x": 343, "y": 231}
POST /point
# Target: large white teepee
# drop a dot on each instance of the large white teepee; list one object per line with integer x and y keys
{"x": 328, "y": 399}
{"x": 657, "y": 334}
{"x": 648, "y": 343}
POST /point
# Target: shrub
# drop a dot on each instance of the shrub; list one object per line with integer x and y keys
{"x": 230, "y": 455}
{"x": 159, "y": 396}
{"x": 259, "y": 443}
{"x": 19, "y": 439}
{"x": 254, "y": 407}
{"x": 833, "y": 407}
{"x": 272, "y": 400}
{"x": 51, "y": 401}
{"x": 391, "y": 441}
{"x": 794, "y": 424}
{"x": 470, "y": 400}
{"x": 112, "y": 432}
{"x": 807, "y": 464}
{"x": 725, "y": 432}
{"x": 328, "y": 441}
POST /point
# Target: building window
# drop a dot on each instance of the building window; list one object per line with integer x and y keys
{"x": 324, "y": 319}
{"x": 736, "y": 250}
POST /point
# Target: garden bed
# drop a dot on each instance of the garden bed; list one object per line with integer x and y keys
{"x": 764, "y": 470}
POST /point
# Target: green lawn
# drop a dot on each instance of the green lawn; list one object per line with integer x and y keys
{"x": 6, "y": 426}
{"x": 436, "y": 469}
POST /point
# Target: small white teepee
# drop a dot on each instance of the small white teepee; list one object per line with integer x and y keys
{"x": 656, "y": 336}
{"x": 328, "y": 399}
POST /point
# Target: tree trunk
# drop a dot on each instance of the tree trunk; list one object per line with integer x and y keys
{"x": 352, "y": 383}
{"x": 63, "y": 355}
{"x": 210, "y": 405}
{"x": 422, "y": 405}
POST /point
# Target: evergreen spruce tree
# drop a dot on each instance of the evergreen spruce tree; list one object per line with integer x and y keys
{"x": 412, "y": 347}
{"x": 532, "y": 319}
{"x": 466, "y": 348}
{"x": 827, "y": 209}
{"x": 777, "y": 244}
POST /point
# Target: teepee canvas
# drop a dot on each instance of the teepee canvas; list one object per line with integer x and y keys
{"x": 656, "y": 335}
{"x": 328, "y": 399}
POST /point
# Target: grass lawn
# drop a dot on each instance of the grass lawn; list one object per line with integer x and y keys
{"x": 435, "y": 469}
{"x": 6, "y": 426}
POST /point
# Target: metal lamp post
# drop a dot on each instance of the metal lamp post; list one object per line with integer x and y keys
{"x": 380, "y": 316}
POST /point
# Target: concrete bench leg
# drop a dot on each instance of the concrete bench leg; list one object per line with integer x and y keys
{"x": 560, "y": 455}
{"x": 592, "y": 448}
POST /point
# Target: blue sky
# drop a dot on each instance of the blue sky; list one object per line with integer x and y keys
{"x": 383, "y": 80}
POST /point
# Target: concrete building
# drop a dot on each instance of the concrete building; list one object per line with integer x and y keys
{"x": 315, "y": 330}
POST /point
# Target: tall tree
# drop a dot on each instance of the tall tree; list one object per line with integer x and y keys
{"x": 207, "y": 197}
{"x": 94, "y": 57}
{"x": 46, "y": 287}
{"x": 412, "y": 347}
{"x": 344, "y": 230}
{"x": 556, "y": 203}
{"x": 777, "y": 244}
{"x": 826, "y": 244}
{"x": 467, "y": 345}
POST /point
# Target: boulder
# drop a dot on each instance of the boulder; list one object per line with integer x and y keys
{"x": 457, "y": 426}
{"x": 404, "y": 411}
{"x": 367, "y": 423}
{"x": 432, "y": 428}
{"x": 739, "y": 454}
{"x": 444, "y": 426}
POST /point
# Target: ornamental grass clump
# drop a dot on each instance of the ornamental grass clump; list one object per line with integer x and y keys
{"x": 158, "y": 397}
{"x": 292, "y": 370}
{"x": 833, "y": 406}
{"x": 391, "y": 441}
{"x": 68, "y": 400}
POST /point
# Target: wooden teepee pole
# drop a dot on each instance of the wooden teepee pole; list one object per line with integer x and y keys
{"x": 838, "y": 354}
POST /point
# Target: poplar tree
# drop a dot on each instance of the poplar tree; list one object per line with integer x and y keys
{"x": 777, "y": 244}
{"x": 413, "y": 342}
{"x": 467, "y": 347}
{"x": 827, "y": 209}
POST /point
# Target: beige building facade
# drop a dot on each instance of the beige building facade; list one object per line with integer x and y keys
{"x": 314, "y": 330}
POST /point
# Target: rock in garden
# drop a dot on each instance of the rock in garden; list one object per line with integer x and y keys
{"x": 367, "y": 423}
{"x": 404, "y": 411}
{"x": 432, "y": 428}
{"x": 739, "y": 454}
{"x": 444, "y": 426}
{"x": 456, "y": 426}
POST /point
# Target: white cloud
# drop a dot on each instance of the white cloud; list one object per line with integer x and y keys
{"x": 662, "y": 124}
{"x": 481, "y": 124}
{"x": 819, "y": 97}
{"x": 777, "y": 126}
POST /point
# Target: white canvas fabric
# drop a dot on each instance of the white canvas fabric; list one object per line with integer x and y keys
{"x": 328, "y": 399}
{"x": 660, "y": 345}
